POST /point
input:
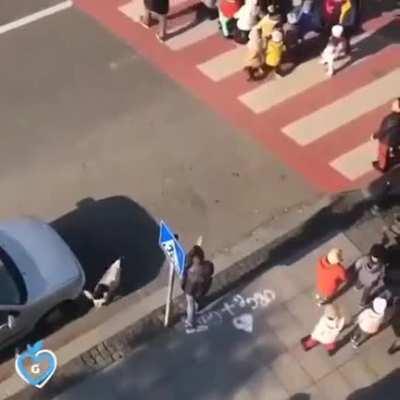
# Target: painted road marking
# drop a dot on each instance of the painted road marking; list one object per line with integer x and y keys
{"x": 326, "y": 119}
{"x": 225, "y": 64}
{"x": 356, "y": 162}
{"x": 274, "y": 92}
{"x": 35, "y": 16}
{"x": 133, "y": 10}
{"x": 304, "y": 77}
{"x": 193, "y": 35}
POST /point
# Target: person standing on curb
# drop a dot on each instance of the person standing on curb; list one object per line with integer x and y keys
{"x": 370, "y": 271}
{"x": 196, "y": 282}
{"x": 330, "y": 276}
{"x": 395, "y": 346}
{"x": 388, "y": 137}
{"x": 369, "y": 322}
{"x": 326, "y": 331}
{"x": 156, "y": 9}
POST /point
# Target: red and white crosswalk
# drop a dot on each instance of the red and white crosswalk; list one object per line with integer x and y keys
{"x": 319, "y": 126}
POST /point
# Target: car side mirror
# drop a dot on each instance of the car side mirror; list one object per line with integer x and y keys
{"x": 11, "y": 321}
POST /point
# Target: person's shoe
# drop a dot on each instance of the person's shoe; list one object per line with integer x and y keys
{"x": 201, "y": 328}
{"x": 190, "y": 330}
{"x": 354, "y": 343}
{"x": 394, "y": 348}
{"x": 303, "y": 342}
{"x": 376, "y": 166}
{"x": 160, "y": 38}
{"x": 144, "y": 23}
{"x": 212, "y": 13}
{"x": 375, "y": 210}
{"x": 395, "y": 228}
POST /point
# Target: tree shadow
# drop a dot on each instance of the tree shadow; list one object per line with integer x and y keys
{"x": 379, "y": 40}
{"x": 300, "y": 396}
{"x": 100, "y": 231}
{"x": 199, "y": 12}
{"x": 376, "y": 8}
{"x": 387, "y": 389}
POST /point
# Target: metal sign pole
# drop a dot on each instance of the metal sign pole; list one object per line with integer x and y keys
{"x": 169, "y": 294}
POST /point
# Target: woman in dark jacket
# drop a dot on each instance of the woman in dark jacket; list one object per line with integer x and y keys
{"x": 158, "y": 9}
{"x": 196, "y": 282}
{"x": 388, "y": 137}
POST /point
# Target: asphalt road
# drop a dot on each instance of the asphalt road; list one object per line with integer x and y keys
{"x": 83, "y": 117}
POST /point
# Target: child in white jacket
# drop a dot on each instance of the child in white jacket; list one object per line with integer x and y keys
{"x": 247, "y": 17}
{"x": 107, "y": 286}
{"x": 369, "y": 322}
{"x": 333, "y": 49}
{"x": 326, "y": 331}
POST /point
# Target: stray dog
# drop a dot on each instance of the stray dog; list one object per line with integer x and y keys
{"x": 107, "y": 286}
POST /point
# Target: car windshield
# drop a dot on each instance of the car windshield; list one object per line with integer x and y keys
{"x": 12, "y": 287}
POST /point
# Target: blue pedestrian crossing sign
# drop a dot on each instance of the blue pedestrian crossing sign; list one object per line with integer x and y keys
{"x": 172, "y": 248}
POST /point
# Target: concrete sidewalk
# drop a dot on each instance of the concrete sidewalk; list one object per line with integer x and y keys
{"x": 251, "y": 348}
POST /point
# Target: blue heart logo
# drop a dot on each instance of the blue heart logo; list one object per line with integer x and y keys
{"x": 36, "y": 365}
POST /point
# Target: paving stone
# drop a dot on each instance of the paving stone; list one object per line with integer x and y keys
{"x": 266, "y": 385}
{"x": 305, "y": 310}
{"x": 284, "y": 287}
{"x": 291, "y": 373}
{"x": 376, "y": 357}
{"x": 315, "y": 362}
{"x": 334, "y": 387}
{"x": 357, "y": 373}
{"x": 286, "y": 327}
{"x": 314, "y": 393}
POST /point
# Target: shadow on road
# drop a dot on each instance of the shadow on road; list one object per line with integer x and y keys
{"x": 100, "y": 231}
{"x": 385, "y": 389}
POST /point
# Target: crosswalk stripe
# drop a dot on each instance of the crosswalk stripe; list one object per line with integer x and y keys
{"x": 326, "y": 119}
{"x": 133, "y": 9}
{"x": 193, "y": 35}
{"x": 304, "y": 77}
{"x": 356, "y": 162}
{"x": 225, "y": 64}
{"x": 274, "y": 92}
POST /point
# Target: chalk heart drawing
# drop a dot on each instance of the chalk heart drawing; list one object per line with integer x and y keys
{"x": 36, "y": 365}
{"x": 244, "y": 322}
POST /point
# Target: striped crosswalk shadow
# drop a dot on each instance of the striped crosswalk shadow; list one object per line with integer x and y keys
{"x": 225, "y": 64}
{"x": 271, "y": 93}
{"x": 195, "y": 34}
{"x": 357, "y": 162}
{"x": 304, "y": 77}
{"x": 327, "y": 119}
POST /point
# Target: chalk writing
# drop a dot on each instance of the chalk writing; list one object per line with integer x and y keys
{"x": 237, "y": 304}
{"x": 244, "y": 322}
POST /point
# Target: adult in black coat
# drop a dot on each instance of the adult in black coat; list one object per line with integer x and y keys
{"x": 388, "y": 136}
{"x": 196, "y": 282}
{"x": 158, "y": 9}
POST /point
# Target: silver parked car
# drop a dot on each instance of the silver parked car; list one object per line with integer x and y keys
{"x": 38, "y": 272}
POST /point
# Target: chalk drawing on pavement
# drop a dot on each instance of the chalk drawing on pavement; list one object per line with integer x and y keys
{"x": 237, "y": 309}
{"x": 244, "y": 322}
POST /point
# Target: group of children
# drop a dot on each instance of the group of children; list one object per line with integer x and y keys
{"x": 378, "y": 297}
{"x": 269, "y": 34}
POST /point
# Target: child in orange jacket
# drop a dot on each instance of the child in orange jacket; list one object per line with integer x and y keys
{"x": 331, "y": 274}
